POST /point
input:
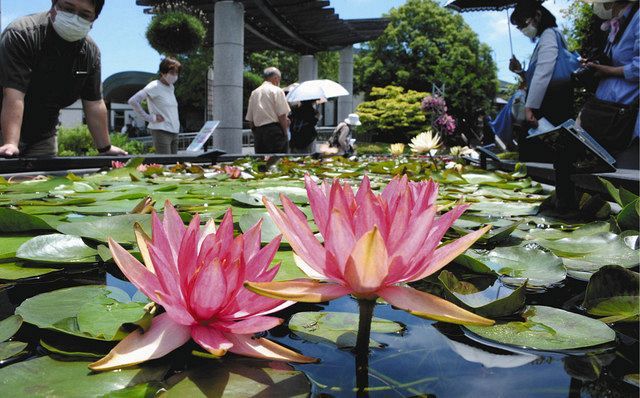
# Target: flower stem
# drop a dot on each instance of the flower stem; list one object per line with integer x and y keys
{"x": 362, "y": 346}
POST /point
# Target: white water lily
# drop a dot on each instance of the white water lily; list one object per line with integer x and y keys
{"x": 425, "y": 142}
{"x": 461, "y": 151}
{"x": 396, "y": 149}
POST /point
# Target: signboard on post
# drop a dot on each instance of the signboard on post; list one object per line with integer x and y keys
{"x": 204, "y": 134}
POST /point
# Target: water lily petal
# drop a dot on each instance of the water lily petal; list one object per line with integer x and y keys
{"x": 319, "y": 203}
{"x": 306, "y": 291}
{"x": 264, "y": 349}
{"x": 428, "y": 306}
{"x": 369, "y": 214}
{"x": 161, "y": 338}
{"x": 143, "y": 241}
{"x": 187, "y": 258}
{"x": 212, "y": 340}
{"x": 445, "y": 254}
{"x": 208, "y": 229}
{"x": 252, "y": 239}
{"x": 252, "y": 325}
{"x": 208, "y": 290}
{"x": 261, "y": 261}
{"x": 340, "y": 239}
{"x": 306, "y": 268}
{"x": 173, "y": 227}
{"x": 135, "y": 272}
{"x": 367, "y": 265}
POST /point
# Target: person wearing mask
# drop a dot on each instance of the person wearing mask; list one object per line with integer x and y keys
{"x": 545, "y": 98}
{"x": 47, "y": 62}
{"x": 303, "y": 127}
{"x": 164, "y": 123}
{"x": 267, "y": 114}
{"x": 612, "y": 115}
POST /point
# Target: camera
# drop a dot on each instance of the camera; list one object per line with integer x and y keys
{"x": 586, "y": 77}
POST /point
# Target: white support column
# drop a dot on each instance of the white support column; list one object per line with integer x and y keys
{"x": 307, "y": 68}
{"x": 345, "y": 103}
{"x": 228, "y": 66}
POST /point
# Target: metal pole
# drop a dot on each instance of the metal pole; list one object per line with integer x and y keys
{"x": 509, "y": 27}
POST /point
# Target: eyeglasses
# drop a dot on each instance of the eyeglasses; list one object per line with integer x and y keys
{"x": 70, "y": 8}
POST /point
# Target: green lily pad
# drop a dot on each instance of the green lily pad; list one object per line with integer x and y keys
{"x": 550, "y": 329}
{"x": 94, "y": 312}
{"x": 236, "y": 378}
{"x": 494, "y": 236}
{"x": 10, "y": 349}
{"x": 505, "y": 209}
{"x": 517, "y": 265}
{"x": 269, "y": 230}
{"x": 119, "y": 228}
{"x": 253, "y": 197}
{"x": 18, "y": 271}
{"x": 613, "y": 292}
{"x": 339, "y": 328}
{"x": 46, "y": 377}
{"x": 590, "y": 229}
{"x": 493, "y": 302}
{"x": 9, "y": 326}
{"x": 76, "y": 354}
{"x": 17, "y": 221}
{"x": 629, "y": 216}
{"x": 10, "y": 244}
{"x": 288, "y": 268}
{"x": 57, "y": 248}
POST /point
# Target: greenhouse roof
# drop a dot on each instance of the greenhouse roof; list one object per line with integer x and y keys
{"x": 303, "y": 26}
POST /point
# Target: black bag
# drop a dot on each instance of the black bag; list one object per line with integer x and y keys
{"x": 611, "y": 124}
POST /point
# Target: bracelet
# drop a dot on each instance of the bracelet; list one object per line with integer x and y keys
{"x": 104, "y": 149}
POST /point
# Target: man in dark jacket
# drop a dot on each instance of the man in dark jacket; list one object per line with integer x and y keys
{"x": 47, "y": 62}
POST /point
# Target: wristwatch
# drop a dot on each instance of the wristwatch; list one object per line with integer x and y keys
{"x": 104, "y": 149}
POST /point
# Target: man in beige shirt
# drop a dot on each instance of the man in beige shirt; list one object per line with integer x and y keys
{"x": 267, "y": 114}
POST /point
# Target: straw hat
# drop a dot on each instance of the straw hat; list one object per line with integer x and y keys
{"x": 353, "y": 119}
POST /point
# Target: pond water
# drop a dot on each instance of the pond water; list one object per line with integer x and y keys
{"x": 408, "y": 356}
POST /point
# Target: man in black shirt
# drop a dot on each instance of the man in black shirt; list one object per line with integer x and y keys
{"x": 47, "y": 62}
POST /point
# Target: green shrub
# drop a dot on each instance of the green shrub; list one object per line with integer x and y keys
{"x": 175, "y": 32}
{"x": 372, "y": 149}
{"x": 393, "y": 115}
{"x": 77, "y": 141}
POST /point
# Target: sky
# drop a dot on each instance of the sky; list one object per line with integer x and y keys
{"x": 120, "y": 30}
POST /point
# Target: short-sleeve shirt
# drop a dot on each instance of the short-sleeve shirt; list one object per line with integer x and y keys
{"x": 161, "y": 100}
{"x": 266, "y": 104}
{"x": 52, "y": 72}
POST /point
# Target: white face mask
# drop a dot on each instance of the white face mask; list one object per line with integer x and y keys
{"x": 530, "y": 31}
{"x": 601, "y": 12}
{"x": 70, "y": 26}
{"x": 171, "y": 78}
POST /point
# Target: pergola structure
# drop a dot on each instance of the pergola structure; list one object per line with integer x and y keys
{"x": 305, "y": 27}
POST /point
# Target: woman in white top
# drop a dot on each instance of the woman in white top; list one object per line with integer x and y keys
{"x": 544, "y": 98}
{"x": 164, "y": 124}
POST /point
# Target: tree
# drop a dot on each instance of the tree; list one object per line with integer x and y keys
{"x": 425, "y": 44}
{"x": 287, "y": 62}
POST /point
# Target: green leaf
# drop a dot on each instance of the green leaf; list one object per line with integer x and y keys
{"x": 517, "y": 265}
{"x": 339, "y": 328}
{"x": 288, "y": 268}
{"x": 492, "y": 302}
{"x": 590, "y": 229}
{"x": 253, "y": 197}
{"x": 17, "y": 221}
{"x": 614, "y": 291}
{"x": 236, "y": 378}
{"x": 80, "y": 354}
{"x": 9, "y": 326}
{"x": 10, "y": 244}
{"x": 629, "y": 216}
{"x": 10, "y": 349}
{"x": 119, "y": 228}
{"x": 18, "y": 271}
{"x": 550, "y": 329}
{"x": 57, "y": 248}
{"x": 613, "y": 191}
{"x": 505, "y": 209}
{"x": 269, "y": 230}
{"x": 46, "y": 377}
{"x": 94, "y": 312}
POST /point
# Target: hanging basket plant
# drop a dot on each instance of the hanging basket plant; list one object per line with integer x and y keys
{"x": 176, "y": 28}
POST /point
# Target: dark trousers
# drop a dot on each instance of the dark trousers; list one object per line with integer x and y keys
{"x": 269, "y": 139}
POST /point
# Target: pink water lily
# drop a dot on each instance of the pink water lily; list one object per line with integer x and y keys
{"x": 373, "y": 244}
{"x": 196, "y": 275}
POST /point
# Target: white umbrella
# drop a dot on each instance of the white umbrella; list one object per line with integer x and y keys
{"x": 316, "y": 89}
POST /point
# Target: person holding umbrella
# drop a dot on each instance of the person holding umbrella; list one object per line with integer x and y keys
{"x": 548, "y": 77}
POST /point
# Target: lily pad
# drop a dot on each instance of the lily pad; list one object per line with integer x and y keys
{"x": 46, "y": 377}
{"x": 590, "y": 229}
{"x": 9, "y": 326}
{"x": 339, "y": 328}
{"x": 517, "y": 265}
{"x": 18, "y": 271}
{"x": 253, "y": 197}
{"x": 613, "y": 292}
{"x": 288, "y": 268}
{"x": 549, "y": 329}
{"x": 238, "y": 378}
{"x": 493, "y": 302}
{"x": 10, "y": 349}
{"x": 57, "y": 248}
{"x": 93, "y": 312}
{"x": 269, "y": 229}
{"x": 17, "y": 221}
{"x": 119, "y": 228}
{"x": 10, "y": 244}
{"x": 505, "y": 209}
